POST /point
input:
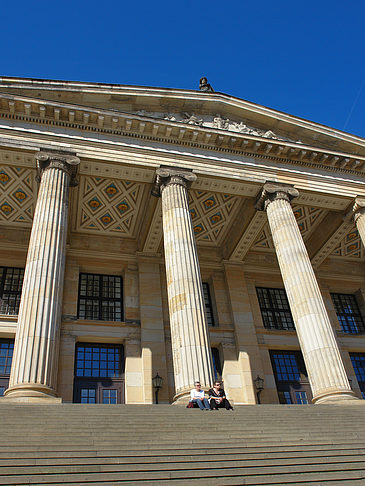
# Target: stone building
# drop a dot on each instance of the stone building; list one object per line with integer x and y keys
{"x": 180, "y": 232}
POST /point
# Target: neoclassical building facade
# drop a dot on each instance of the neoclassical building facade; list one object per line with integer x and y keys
{"x": 184, "y": 233}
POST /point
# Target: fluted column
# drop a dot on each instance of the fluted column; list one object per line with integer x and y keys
{"x": 34, "y": 367}
{"x": 189, "y": 332}
{"x": 358, "y": 213}
{"x": 326, "y": 372}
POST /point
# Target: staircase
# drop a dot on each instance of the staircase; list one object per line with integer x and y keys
{"x": 163, "y": 444}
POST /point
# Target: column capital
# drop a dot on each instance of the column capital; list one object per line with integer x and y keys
{"x": 273, "y": 191}
{"x": 166, "y": 176}
{"x": 57, "y": 160}
{"x": 358, "y": 208}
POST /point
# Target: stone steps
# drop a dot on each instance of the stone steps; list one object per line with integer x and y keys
{"x": 106, "y": 445}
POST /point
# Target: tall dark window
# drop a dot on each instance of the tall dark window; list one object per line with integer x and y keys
{"x": 217, "y": 367}
{"x": 275, "y": 309}
{"x": 6, "y": 357}
{"x": 208, "y": 305}
{"x": 11, "y": 281}
{"x": 348, "y": 313}
{"x": 291, "y": 377}
{"x": 358, "y": 362}
{"x": 100, "y": 297}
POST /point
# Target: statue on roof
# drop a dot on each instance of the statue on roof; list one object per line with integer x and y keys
{"x": 204, "y": 85}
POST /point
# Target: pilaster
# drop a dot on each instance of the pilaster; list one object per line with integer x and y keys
{"x": 152, "y": 330}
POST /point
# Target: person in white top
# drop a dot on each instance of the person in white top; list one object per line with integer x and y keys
{"x": 197, "y": 396}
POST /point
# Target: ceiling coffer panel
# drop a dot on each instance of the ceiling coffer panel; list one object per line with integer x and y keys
{"x": 109, "y": 206}
{"x": 18, "y": 194}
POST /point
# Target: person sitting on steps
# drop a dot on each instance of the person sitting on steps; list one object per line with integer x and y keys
{"x": 197, "y": 396}
{"x": 217, "y": 397}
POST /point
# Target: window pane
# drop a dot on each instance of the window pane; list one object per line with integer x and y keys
{"x": 275, "y": 309}
{"x": 100, "y": 297}
{"x": 6, "y": 356}
{"x": 99, "y": 360}
{"x": 88, "y": 395}
{"x": 285, "y": 366}
{"x": 110, "y": 396}
{"x": 301, "y": 397}
{"x": 11, "y": 282}
{"x": 348, "y": 313}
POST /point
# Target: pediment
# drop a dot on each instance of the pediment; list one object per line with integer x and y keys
{"x": 189, "y": 107}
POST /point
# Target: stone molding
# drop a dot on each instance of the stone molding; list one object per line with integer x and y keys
{"x": 55, "y": 160}
{"x": 168, "y": 176}
{"x": 245, "y": 141}
{"x": 273, "y": 191}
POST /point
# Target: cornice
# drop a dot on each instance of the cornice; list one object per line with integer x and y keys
{"x": 177, "y": 133}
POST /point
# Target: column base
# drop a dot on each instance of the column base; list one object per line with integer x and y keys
{"x": 336, "y": 397}
{"x": 183, "y": 396}
{"x": 32, "y": 393}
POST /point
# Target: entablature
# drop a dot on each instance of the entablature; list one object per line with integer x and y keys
{"x": 212, "y": 132}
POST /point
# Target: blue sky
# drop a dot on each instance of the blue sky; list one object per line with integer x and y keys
{"x": 304, "y": 58}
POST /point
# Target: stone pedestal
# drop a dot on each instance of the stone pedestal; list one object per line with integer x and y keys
{"x": 326, "y": 372}
{"x": 34, "y": 368}
{"x": 189, "y": 333}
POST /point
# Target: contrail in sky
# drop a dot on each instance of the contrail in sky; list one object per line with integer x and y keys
{"x": 354, "y": 104}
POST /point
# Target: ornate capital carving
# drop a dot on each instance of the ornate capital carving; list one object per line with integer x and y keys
{"x": 273, "y": 191}
{"x": 358, "y": 207}
{"x": 53, "y": 160}
{"x": 167, "y": 176}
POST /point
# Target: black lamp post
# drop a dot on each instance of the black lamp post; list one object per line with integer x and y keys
{"x": 157, "y": 385}
{"x": 259, "y": 384}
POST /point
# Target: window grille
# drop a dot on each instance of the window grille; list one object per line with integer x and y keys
{"x": 348, "y": 313}
{"x": 100, "y": 297}
{"x": 286, "y": 366}
{"x": 11, "y": 282}
{"x": 99, "y": 360}
{"x": 275, "y": 309}
{"x": 208, "y": 305}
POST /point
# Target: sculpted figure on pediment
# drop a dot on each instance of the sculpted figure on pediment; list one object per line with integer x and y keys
{"x": 169, "y": 117}
{"x": 219, "y": 122}
{"x": 192, "y": 120}
{"x": 215, "y": 122}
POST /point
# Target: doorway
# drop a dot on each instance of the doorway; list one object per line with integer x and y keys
{"x": 99, "y": 373}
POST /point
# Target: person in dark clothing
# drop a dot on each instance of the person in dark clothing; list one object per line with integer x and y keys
{"x": 217, "y": 398}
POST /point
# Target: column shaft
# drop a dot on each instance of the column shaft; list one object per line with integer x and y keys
{"x": 34, "y": 366}
{"x": 318, "y": 343}
{"x": 189, "y": 333}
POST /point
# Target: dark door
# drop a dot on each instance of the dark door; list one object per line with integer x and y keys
{"x": 6, "y": 357}
{"x": 99, "y": 373}
{"x": 291, "y": 377}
